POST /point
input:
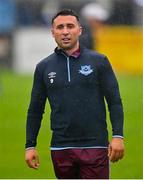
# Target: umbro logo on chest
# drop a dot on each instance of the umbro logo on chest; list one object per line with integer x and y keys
{"x": 86, "y": 70}
{"x": 51, "y": 76}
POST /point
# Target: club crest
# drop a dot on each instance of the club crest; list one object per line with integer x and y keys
{"x": 86, "y": 70}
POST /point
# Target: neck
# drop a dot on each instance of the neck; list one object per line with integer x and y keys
{"x": 71, "y": 51}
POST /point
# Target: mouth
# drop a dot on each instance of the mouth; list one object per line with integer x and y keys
{"x": 66, "y": 40}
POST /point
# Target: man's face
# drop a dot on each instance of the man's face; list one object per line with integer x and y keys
{"x": 66, "y": 31}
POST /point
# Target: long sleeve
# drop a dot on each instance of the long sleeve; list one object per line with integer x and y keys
{"x": 110, "y": 89}
{"x": 36, "y": 109}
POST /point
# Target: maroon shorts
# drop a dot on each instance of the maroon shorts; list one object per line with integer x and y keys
{"x": 81, "y": 163}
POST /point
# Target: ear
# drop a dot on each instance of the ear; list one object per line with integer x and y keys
{"x": 80, "y": 31}
{"x": 52, "y": 31}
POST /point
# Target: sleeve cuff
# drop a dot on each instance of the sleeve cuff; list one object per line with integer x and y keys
{"x": 29, "y": 148}
{"x": 118, "y": 136}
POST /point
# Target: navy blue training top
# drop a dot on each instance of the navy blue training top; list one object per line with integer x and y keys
{"x": 76, "y": 88}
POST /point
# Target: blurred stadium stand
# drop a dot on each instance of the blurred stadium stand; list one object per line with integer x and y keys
{"x": 7, "y": 26}
{"x": 121, "y": 39}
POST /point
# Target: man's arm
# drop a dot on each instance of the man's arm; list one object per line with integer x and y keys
{"x": 110, "y": 89}
{"x": 34, "y": 117}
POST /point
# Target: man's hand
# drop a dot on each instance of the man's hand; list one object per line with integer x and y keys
{"x": 32, "y": 158}
{"x": 116, "y": 149}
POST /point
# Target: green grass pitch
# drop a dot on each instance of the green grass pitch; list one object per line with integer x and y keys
{"x": 14, "y": 99}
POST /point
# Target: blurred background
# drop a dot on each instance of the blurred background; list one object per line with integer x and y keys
{"x": 111, "y": 27}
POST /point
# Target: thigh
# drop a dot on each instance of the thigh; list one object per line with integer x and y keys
{"x": 64, "y": 165}
{"x": 94, "y": 164}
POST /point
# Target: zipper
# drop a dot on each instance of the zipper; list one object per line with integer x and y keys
{"x": 68, "y": 68}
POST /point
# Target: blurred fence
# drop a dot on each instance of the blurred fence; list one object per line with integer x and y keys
{"x": 31, "y": 45}
{"x": 122, "y": 44}
{"x": 124, "y": 47}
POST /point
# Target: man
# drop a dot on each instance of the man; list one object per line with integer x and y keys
{"x": 95, "y": 17}
{"x": 75, "y": 80}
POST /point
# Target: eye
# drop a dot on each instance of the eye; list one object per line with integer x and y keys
{"x": 60, "y": 26}
{"x": 70, "y": 26}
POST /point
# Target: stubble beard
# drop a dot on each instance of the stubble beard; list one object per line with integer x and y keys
{"x": 68, "y": 46}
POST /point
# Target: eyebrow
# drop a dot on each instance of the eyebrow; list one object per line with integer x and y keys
{"x": 68, "y": 24}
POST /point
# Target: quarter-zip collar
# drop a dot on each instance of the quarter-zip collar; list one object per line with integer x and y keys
{"x": 75, "y": 54}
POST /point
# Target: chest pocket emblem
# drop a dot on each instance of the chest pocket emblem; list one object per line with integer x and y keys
{"x": 86, "y": 70}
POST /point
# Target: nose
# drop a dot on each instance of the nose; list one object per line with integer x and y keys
{"x": 65, "y": 31}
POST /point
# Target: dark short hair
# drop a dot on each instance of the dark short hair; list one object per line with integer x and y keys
{"x": 66, "y": 12}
